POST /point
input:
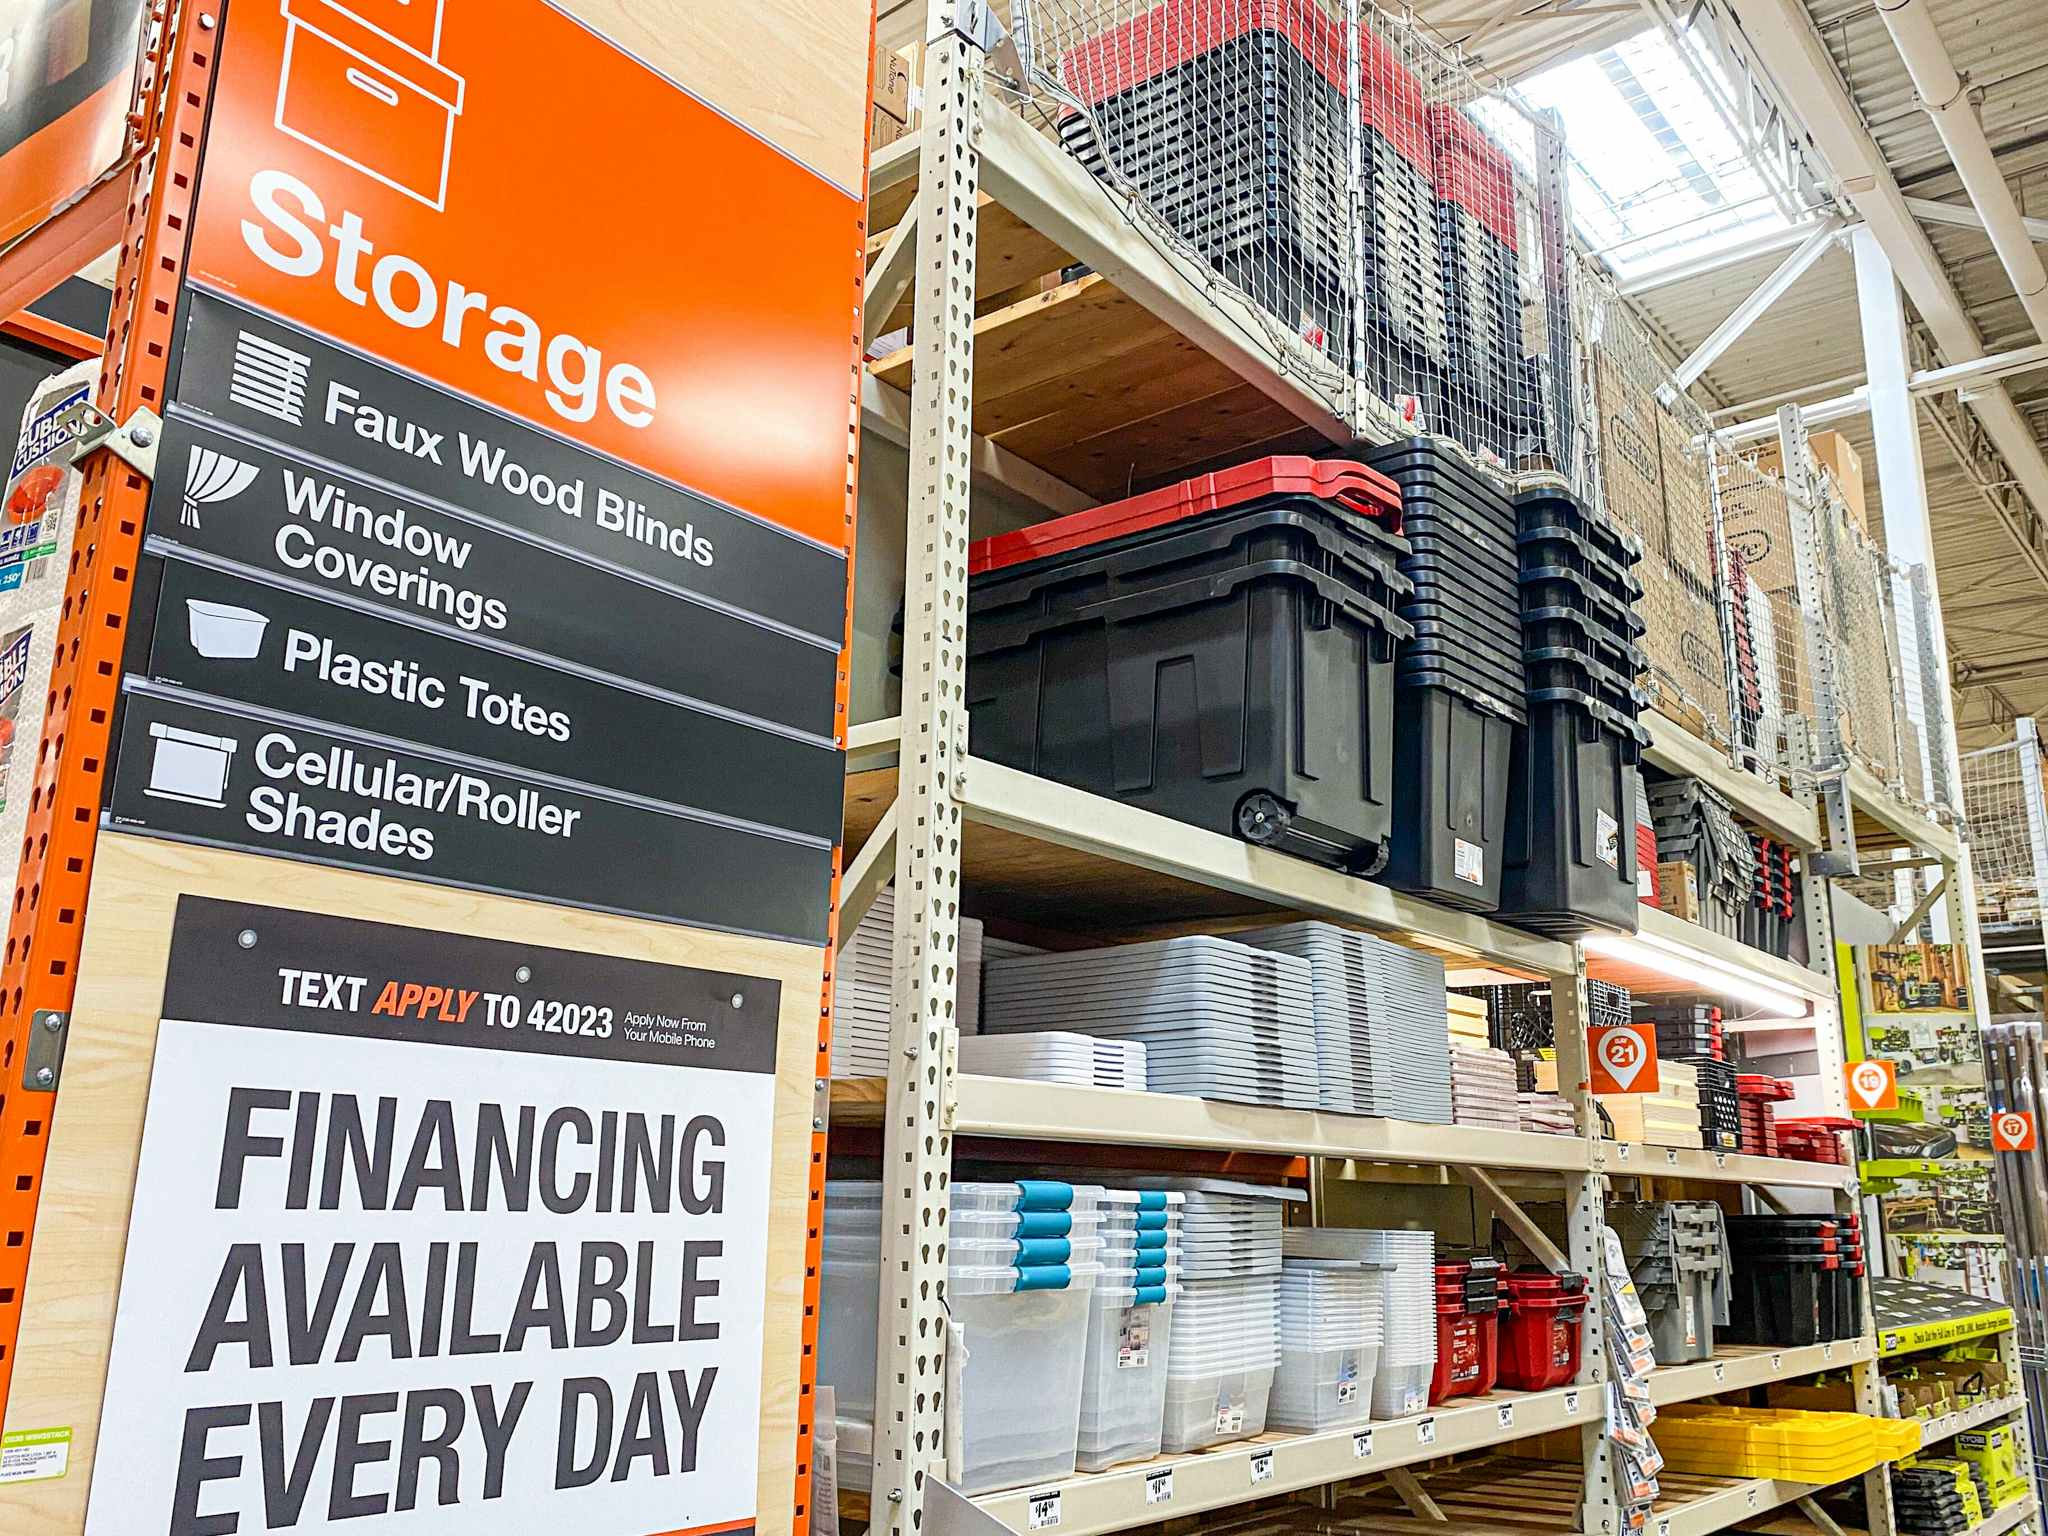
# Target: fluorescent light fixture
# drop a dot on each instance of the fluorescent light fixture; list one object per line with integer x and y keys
{"x": 1684, "y": 964}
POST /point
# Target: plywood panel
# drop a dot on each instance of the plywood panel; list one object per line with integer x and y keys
{"x": 75, "y": 1264}
{"x": 794, "y": 71}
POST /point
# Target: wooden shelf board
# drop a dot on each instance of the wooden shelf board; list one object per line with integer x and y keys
{"x": 1007, "y": 252}
{"x": 1087, "y": 384}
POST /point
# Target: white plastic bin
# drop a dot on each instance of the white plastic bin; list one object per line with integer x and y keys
{"x": 1020, "y": 1383}
{"x": 1201, "y": 1411}
{"x": 1317, "y": 1389}
{"x": 1123, "y": 1385}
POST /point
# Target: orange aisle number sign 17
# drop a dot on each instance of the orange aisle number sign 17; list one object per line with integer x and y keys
{"x": 1624, "y": 1058}
{"x": 1873, "y": 1084}
{"x": 2012, "y": 1130}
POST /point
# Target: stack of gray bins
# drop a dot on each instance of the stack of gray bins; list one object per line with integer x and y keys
{"x": 1697, "y": 826}
{"x": 1218, "y": 1020}
{"x": 1677, "y": 1254}
{"x": 1382, "y": 1025}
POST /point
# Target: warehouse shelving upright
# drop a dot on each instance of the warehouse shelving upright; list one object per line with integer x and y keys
{"x": 975, "y": 186}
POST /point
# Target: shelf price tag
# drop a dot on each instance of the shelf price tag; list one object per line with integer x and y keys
{"x": 1425, "y": 1431}
{"x": 1664, "y": 1526}
{"x": 1621, "y": 1150}
{"x": 1159, "y": 1486}
{"x": 1505, "y": 1413}
{"x": 1827, "y": 1351}
{"x": 1777, "y": 1363}
{"x": 1671, "y": 1157}
{"x": 1720, "y": 1371}
{"x": 1720, "y": 1159}
{"x": 1749, "y": 1498}
{"x": 1361, "y": 1444}
{"x": 1571, "y": 1403}
{"x": 1043, "y": 1510}
{"x": 1262, "y": 1468}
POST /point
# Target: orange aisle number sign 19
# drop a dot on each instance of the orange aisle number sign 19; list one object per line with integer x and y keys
{"x": 1624, "y": 1058}
{"x": 2012, "y": 1130}
{"x": 1873, "y": 1084}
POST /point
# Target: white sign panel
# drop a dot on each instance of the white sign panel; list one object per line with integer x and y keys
{"x": 431, "y": 1232}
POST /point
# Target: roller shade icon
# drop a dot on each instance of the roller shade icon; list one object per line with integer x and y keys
{"x": 212, "y": 477}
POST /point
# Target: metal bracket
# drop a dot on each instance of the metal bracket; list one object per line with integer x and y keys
{"x": 976, "y": 22}
{"x": 42, "y": 1060}
{"x": 134, "y": 444}
{"x": 1839, "y": 858}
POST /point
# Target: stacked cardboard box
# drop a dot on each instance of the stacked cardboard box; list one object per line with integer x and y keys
{"x": 893, "y": 116}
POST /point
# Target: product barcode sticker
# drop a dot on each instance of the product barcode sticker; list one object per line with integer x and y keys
{"x": 1720, "y": 1159}
{"x": 1571, "y": 1402}
{"x": 1621, "y": 1150}
{"x": 1159, "y": 1486}
{"x": 1664, "y": 1526}
{"x": 1720, "y": 1370}
{"x": 1361, "y": 1444}
{"x": 1134, "y": 1339}
{"x": 1262, "y": 1467}
{"x": 1425, "y": 1431}
{"x": 1827, "y": 1351}
{"x": 1230, "y": 1418}
{"x": 1468, "y": 861}
{"x": 1506, "y": 1414}
{"x": 1607, "y": 840}
{"x": 1671, "y": 1157}
{"x": 1043, "y": 1510}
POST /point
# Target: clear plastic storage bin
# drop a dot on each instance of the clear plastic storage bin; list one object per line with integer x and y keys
{"x": 1123, "y": 1384}
{"x": 1213, "y": 1409}
{"x": 1020, "y": 1381}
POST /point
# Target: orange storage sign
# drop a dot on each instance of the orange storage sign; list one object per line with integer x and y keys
{"x": 67, "y": 79}
{"x": 511, "y": 209}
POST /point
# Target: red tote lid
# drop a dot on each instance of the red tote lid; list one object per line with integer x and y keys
{"x": 1358, "y": 490}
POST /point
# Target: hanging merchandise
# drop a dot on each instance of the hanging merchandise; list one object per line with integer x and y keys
{"x": 2016, "y": 1078}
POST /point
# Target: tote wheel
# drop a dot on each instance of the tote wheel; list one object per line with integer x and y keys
{"x": 1261, "y": 819}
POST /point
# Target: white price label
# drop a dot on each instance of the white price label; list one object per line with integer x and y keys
{"x": 1571, "y": 1403}
{"x": 1425, "y": 1431}
{"x": 1827, "y": 1351}
{"x": 1720, "y": 1159}
{"x": 1621, "y": 1150}
{"x": 1262, "y": 1467}
{"x": 1891, "y": 1342}
{"x": 1506, "y": 1414}
{"x": 1749, "y": 1499}
{"x": 1347, "y": 1391}
{"x": 1720, "y": 1370}
{"x": 1671, "y": 1157}
{"x": 1044, "y": 1510}
{"x": 1361, "y": 1444}
{"x": 1664, "y": 1526}
{"x": 1777, "y": 1363}
{"x": 1159, "y": 1486}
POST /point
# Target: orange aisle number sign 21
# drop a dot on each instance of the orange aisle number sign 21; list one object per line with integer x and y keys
{"x": 1624, "y": 1058}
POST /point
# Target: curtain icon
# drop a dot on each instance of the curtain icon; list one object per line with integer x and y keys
{"x": 210, "y": 478}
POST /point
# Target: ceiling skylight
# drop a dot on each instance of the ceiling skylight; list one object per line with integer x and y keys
{"x": 1666, "y": 164}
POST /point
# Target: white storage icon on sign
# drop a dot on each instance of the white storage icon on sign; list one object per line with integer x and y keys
{"x": 363, "y": 82}
{"x": 190, "y": 766}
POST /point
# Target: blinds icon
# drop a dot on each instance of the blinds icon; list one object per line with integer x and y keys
{"x": 270, "y": 379}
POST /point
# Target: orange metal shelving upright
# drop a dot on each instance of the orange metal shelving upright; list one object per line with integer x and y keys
{"x": 39, "y": 973}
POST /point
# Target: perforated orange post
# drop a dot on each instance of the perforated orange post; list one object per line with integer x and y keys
{"x": 48, "y": 920}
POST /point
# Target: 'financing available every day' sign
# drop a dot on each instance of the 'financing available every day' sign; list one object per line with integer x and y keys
{"x": 498, "y": 540}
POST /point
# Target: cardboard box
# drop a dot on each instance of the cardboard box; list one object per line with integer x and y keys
{"x": 1844, "y": 465}
{"x": 1678, "y": 890}
{"x": 893, "y": 114}
{"x": 1681, "y": 615}
{"x": 1631, "y": 468}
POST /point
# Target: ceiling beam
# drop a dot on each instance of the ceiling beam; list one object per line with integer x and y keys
{"x": 1714, "y": 261}
{"x": 1761, "y": 298}
{"x": 1781, "y": 35}
{"x": 1965, "y": 377}
{"x": 1930, "y": 211}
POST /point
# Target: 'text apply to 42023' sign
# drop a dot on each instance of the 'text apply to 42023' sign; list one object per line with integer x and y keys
{"x": 499, "y": 533}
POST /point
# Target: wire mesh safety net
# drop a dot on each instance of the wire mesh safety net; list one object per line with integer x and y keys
{"x": 1329, "y": 163}
{"x": 1760, "y": 606}
{"x": 2008, "y": 842}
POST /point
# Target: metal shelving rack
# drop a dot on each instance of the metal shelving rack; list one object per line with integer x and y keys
{"x": 938, "y": 818}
